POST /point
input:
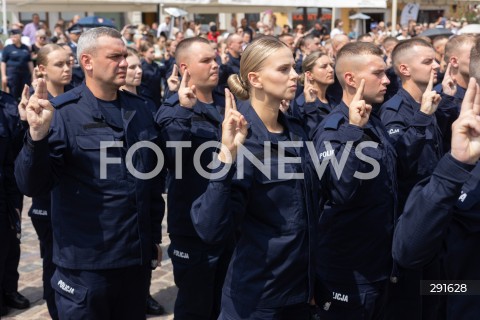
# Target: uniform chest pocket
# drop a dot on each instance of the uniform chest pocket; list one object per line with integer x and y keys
{"x": 92, "y": 151}
{"x": 203, "y": 129}
{"x": 95, "y": 141}
{"x": 278, "y": 198}
{"x": 149, "y": 134}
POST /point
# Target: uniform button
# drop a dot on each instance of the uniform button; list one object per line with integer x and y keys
{"x": 393, "y": 279}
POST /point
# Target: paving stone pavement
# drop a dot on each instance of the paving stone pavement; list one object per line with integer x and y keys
{"x": 30, "y": 284}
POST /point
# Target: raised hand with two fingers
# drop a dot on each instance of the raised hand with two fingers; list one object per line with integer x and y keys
{"x": 234, "y": 130}
{"x": 173, "y": 81}
{"x": 187, "y": 94}
{"x": 466, "y": 129}
{"x": 39, "y": 112}
{"x": 22, "y": 105}
{"x": 449, "y": 85}
{"x": 359, "y": 110}
{"x": 430, "y": 98}
{"x": 309, "y": 91}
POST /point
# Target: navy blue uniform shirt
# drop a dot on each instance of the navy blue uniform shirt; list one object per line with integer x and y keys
{"x": 99, "y": 222}
{"x": 196, "y": 125}
{"x": 271, "y": 266}
{"x": 152, "y": 82}
{"x": 356, "y": 226}
{"x": 16, "y": 58}
{"x": 10, "y": 197}
{"x": 310, "y": 114}
{"x": 442, "y": 219}
{"x": 417, "y": 139}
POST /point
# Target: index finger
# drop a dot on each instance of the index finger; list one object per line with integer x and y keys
{"x": 430, "y": 82}
{"x": 175, "y": 70}
{"x": 26, "y": 92}
{"x": 359, "y": 94}
{"x": 470, "y": 95}
{"x": 185, "y": 79}
{"x": 41, "y": 90}
{"x": 447, "y": 71}
{"x": 228, "y": 102}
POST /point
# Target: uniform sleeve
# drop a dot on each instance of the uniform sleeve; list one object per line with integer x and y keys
{"x": 447, "y": 112}
{"x": 420, "y": 229}
{"x": 220, "y": 209}
{"x": 339, "y": 181}
{"x": 174, "y": 123}
{"x": 308, "y": 114}
{"x": 157, "y": 207}
{"x": 40, "y": 163}
{"x": 408, "y": 138}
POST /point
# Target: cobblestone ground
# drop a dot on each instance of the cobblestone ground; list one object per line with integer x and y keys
{"x": 30, "y": 284}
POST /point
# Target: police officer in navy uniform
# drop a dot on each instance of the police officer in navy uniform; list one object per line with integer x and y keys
{"x": 107, "y": 205}
{"x": 312, "y": 105}
{"x": 441, "y": 216}
{"x": 74, "y": 33}
{"x": 354, "y": 262}
{"x": 457, "y": 55}
{"x": 10, "y": 207}
{"x": 193, "y": 116}
{"x": 17, "y": 65}
{"x": 273, "y": 209}
{"x": 411, "y": 120}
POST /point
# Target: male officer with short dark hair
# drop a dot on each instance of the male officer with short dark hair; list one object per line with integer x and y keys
{"x": 355, "y": 232}
{"x": 193, "y": 116}
{"x": 107, "y": 203}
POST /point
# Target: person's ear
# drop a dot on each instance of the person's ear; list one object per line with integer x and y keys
{"x": 86, "y": 61}
{"x": 404, "y": 70}
{"x": 255, "y": 80}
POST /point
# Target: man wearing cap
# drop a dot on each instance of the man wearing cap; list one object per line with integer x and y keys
{"x": 16, "y": 66}
{"x": 74, "y": 32}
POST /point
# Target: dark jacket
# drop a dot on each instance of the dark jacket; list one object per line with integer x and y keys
{"x": 274, "y": 215}
{"x": 104, "y": 217}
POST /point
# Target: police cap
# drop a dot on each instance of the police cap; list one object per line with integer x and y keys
{"x": 75, "y": 29}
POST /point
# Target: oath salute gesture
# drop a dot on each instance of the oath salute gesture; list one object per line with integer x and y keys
{"x": 441, "y": 214}
{"x": 193, "y": 116}
{"x": 359, "y": 110}
{"x": 356, "y": 225}
{"x": 106, "y": 220}
{"x": 234, "y": 130}
{"x": 269, "y": 276}
{"x": 39, "y": 112}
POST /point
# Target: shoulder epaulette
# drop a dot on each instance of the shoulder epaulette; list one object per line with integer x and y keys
{"x": 394, "y": 103}
{"x": 333, "y": 121}
{"x": 131, "y": 94}
{"x": 65, "y": 98}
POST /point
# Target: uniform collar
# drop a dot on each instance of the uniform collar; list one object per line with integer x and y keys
{"x": 408, "y": 99}
{"x": 258, "y": 128}
{"x": 128, "y": 111}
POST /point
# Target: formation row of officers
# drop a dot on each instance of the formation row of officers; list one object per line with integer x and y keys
{"x": 336, "y": 244}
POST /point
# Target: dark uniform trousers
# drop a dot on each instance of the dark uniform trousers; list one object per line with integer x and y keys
{"x": 80, "y": 294}
{"x": 10, "y": 197}
{"x": 43, "y": 227}
{"x": 354, "y": 262}
{"x": 199, "y": 268}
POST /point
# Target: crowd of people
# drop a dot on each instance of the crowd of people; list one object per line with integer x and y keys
{"x": 344, "y": 178}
